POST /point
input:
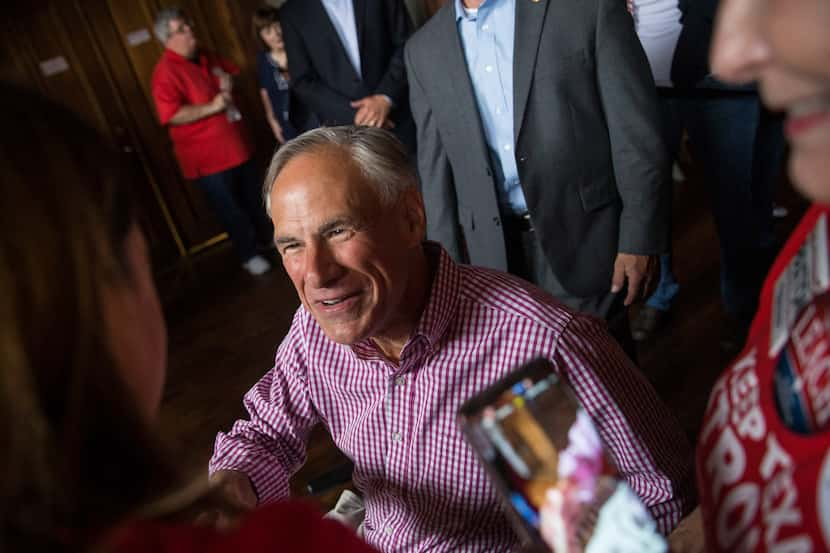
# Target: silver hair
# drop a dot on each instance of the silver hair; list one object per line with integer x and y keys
{"x": 161, "y": 26}
{"x": 377, "y": 153}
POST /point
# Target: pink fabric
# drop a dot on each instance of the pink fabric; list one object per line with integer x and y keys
{"x": 423, "y": 487}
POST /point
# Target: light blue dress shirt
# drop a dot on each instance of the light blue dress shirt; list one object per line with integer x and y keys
{"x": 487, "y": 39}
{"x": 341, "y": 13}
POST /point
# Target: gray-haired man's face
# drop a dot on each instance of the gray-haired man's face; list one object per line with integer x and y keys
{"x": 349, "y": 258}
{"x": 181, "y": 38}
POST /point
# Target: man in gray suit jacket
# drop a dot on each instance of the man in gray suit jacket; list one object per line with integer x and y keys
{"x": 539, "y": 149}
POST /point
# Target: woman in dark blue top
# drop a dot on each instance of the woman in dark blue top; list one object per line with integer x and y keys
{"x": 272, "y": 68}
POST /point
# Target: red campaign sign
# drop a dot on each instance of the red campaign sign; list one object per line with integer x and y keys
{"x": 763, "y": 461}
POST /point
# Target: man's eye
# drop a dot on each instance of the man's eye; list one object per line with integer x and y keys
{"x": 289, "y": 247}
{"x": 338, "y": 231}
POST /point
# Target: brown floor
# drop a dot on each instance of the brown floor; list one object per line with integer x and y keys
{"x": 225, "y": 325}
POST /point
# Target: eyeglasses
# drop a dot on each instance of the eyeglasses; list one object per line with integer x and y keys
{"x": 182, "y": 28}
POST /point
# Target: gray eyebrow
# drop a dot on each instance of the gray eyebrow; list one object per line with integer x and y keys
{"x": 323, "y": 229}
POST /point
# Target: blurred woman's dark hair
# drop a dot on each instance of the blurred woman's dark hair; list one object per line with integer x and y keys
{"x": 263, "y": 18}
{"x": 78, "y": 455}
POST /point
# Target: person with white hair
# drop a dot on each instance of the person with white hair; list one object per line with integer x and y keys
{"x": 192, "y": 90}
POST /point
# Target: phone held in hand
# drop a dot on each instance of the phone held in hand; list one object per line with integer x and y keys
{"x": 550, "y": 468}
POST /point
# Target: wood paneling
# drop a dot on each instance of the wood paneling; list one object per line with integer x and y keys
{"x": 107, "y": 83}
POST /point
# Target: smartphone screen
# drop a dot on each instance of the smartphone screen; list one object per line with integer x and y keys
{"x": 551, "y": 468}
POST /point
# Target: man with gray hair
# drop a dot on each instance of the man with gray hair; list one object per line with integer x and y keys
{"x": 393, "y": 336}
{"x": 192, "y": 89}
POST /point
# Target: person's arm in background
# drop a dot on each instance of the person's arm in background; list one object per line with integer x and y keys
{"x": 194, "y": 112}
{"x": 434, "y": 171}
{"x": 259, "y": 455}
{"x": 641, "y": 434}
{"x": 173, "y": 108}
{"x": 630, "y": 103}
{"x": 269, "y": 116}
{"x": 329, "y": 105}
{"x": 374, "y": 110}
{"x": 264, "y": 73}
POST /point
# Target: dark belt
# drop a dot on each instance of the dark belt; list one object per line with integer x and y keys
{"x": 517, "y": 223}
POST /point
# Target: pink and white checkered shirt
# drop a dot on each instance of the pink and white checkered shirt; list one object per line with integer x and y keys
{"x": 423, "y": 487}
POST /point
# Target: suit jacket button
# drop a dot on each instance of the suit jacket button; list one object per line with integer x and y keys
{"x": 497, "y": 221}
{"x": 522, "y": 159}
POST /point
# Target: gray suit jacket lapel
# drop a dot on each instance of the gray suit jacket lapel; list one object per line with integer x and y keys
{"x": 530, "y": 17}
{"x": 466, "y": 116}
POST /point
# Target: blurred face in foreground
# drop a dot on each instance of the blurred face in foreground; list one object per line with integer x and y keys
{"x": 784, "y": 45}
{"x": 136, "y": 327}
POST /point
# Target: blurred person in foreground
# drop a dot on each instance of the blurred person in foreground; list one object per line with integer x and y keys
{"x": 83, "y": 348}
{"x": 763, "y": 456}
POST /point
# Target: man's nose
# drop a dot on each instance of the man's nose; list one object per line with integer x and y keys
{"x": 322, "y": 268}
{"x": 739, "y": 45}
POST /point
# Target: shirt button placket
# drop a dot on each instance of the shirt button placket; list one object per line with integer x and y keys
{"x": 398, "y": 383}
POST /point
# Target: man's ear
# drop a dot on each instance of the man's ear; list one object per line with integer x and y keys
{"x": 414, "y": 215}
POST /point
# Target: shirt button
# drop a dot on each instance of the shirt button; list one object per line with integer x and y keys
{"x": 388, "y": 530}
{"x": 396, "y": 436}
{"x": 507, "y": 147}
{"x": 485, "y": 27}
{"x": 498, "y": 111}
{"x": 400, "y": 381}
{"x": 488, "y": 68}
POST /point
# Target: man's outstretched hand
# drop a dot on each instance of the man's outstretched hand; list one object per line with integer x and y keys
{"x": 237, "y": 498}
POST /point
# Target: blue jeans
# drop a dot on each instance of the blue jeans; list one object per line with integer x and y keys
{"x": 740, "y": 148}
{"x": 234, "y": 195}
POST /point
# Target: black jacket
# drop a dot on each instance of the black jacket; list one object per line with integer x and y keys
{"x": 691, "y": 57}
{"x": 322, "y": 75}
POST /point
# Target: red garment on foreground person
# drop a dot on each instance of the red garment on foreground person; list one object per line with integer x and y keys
{"x": 288, "y": 526}
{"x": 765, "y": 486}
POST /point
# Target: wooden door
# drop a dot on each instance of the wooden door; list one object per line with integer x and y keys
{"x": 47, "y": 49}
{"x": 96, "y": 57}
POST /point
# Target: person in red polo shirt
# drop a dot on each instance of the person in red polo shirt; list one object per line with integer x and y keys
{"x": 192, "y": 91}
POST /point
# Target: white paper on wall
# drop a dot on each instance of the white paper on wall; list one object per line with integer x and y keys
{"x": 137, "y": 37}
{"x": 53, "y": 66}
